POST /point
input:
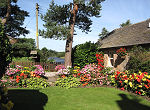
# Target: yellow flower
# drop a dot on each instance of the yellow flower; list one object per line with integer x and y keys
{"x": 140, "y": 85}
{"x": 144, "y": 79}
{"x": 126, "y": 81}
{"x": 112, "y": 76}
{"x": 148, "y": 76}
{"x": 130, "y": 84}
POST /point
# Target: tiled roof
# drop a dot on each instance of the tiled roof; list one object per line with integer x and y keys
{"x": 134, "y": 34}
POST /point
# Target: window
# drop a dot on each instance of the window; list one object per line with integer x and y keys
{"x": 111, "y": 58}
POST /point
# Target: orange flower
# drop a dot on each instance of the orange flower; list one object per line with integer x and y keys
{"x": 17, "y": 77}
{"x": 38, "y": 76}
{"x": 17, "y": 80}
{"x": 148, "y": 80}
{"x": 25, "y": 76}
{"x": 84, "y": 84}
{"x": 146, "y": 86}
{"x": 63, "y": 76}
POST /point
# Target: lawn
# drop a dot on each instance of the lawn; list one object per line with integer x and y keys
{"x": 54, "y": 98}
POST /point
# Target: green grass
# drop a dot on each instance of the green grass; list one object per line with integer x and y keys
{"x": 54, "y": 98}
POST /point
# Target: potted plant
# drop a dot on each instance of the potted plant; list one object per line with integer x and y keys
{"x": 121, "y": 52}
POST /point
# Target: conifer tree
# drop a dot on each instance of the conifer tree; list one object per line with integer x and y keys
{"x": 60, "y": 21}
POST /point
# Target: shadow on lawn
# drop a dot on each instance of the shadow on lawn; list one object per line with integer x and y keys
{"x": 131, "y": 104}
{"x": 26, "y": 99}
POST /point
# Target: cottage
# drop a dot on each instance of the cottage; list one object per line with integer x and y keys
{"x": 136, "y": 34}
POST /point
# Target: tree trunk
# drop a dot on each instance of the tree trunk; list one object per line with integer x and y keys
{"x": 5, "y": 19}
{"x": 69, "y": 40}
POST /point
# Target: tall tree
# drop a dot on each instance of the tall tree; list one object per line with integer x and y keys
{"x": 103, "y": 33}
{"x": 128, "y": 22}
{"x": 60, "y": 21}
{"x": 23, "y": 47}
{"x": 12, "y": 17}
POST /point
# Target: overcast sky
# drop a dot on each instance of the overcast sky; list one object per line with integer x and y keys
{"x": 113, "y": 13}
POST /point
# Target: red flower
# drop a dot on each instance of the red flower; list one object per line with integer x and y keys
{"x": 139, "y": 93}
{"x": 122, "y": 88}
{"x": 120, "y": 82}
{"x": 11, "y": 77}
{"x": 79, "y": 74}
{"x": 22, "y": 74}
{"x": 138, "y": 79}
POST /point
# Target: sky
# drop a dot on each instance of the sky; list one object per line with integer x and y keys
{"x": 113, "y": 13}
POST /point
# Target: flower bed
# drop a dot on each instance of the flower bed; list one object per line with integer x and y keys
{"x": 138, "y": 83}
{"x": 97, "y": 75}
{"x": 19, "y": 76}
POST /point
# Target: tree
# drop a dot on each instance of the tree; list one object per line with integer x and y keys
{"x": 12, "y": 17}
{"x": 60, "y": 21}
{"x": 104, "y": 33}
{"x": 128, "y": 22}
{"x": 45, "y": 53}
{"x": 5, "y": 51}
{"x": 23, "y": 47}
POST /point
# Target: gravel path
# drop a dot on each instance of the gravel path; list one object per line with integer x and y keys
{"x": 50, "y": 74}
{"x": 52, "y": 77}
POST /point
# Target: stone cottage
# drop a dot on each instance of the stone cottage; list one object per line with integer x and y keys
{"x": 136, "y": 34}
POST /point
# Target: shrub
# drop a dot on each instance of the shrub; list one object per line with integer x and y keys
{"x": 35, "y": 83}
{"x": 139, "y": 60}
{"x": 83, "y": 54}
{"x": 5, "y": 103}
{"x": 67, "y": 82}
{"x": 145, "y": 66}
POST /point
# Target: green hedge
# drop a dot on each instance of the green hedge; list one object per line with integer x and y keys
{"x": 139, "y": 60}
{"x": 84, "y": 54}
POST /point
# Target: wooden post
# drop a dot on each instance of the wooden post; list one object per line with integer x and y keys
{"x": 37, "y": 38}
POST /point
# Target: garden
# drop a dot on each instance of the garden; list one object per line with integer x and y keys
{"x": 89, "y": 87}
{"x": 83, "y": 82}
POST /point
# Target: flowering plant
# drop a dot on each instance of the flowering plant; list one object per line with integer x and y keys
{"x": 138, "y": 83}
{"x": 16, "y": 76}
{"x": 100, "y": 59}
{"x": 38, "y": 70}
{"x": 121, "y": 52}
{"x": 62, "y": 71}
{"x": 91, "y": 74}
{"x": 58, "y": 67}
